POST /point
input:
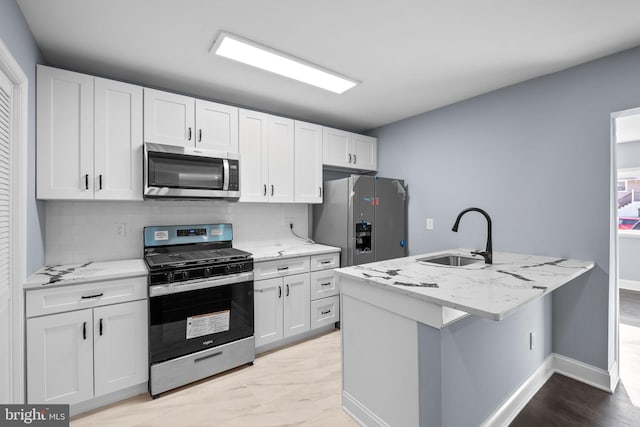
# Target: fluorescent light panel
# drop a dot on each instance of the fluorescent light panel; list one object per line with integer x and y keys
{"x": 266, "y": 58}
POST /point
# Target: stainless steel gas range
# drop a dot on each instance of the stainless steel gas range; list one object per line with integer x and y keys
{"x": 200, "y": 304}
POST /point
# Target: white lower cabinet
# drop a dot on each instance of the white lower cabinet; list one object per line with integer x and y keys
{"x": 78, "y": 355}
{"x": 281, "y": 308}
{"x": 290, "y": 298}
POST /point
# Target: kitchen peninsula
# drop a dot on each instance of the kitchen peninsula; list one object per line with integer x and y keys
{"x": 421, "y": 339}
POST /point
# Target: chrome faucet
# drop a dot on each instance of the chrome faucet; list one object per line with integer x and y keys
{"x": 488, "y": 252}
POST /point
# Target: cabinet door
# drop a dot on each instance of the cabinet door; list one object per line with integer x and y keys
{"x": 64, "y": 135}
{"x": 268, "y": 299}
{"x": 336, "y": 148}
{"x": 120, "y": 344}
{"x": 168, "y": 118}
{"x": 60, "y": 358}
{"x": 254, "y": 164}
{"x": 296, "y": 304}
{"x": 216, "y": 126}
{"x": 118, "y": 140}
{"x": 308, "y": 163}
{"x": 365, "y": 152}
{"x": 280, "y": 160}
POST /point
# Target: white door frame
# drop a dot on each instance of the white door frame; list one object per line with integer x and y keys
{"x": 18, "y": 196}
{"x": 614, "y": 274}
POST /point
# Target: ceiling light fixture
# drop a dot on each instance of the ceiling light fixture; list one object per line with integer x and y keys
{"x": 260, "y": 56}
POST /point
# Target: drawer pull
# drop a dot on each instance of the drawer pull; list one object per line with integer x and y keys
{"x": 325, "y": 262}
{"x": 279, "y": 291}
{"x": 325, "y": 312}
{"x": 200, "y": 359}
{"x": 325, "y": 284}
{"x": 93, "y": 296}
{"x": 84, "y": 330}
{"x": 283, "y": 268}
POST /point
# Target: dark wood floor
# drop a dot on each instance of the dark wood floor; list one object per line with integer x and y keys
{"x": 564, "y": 402}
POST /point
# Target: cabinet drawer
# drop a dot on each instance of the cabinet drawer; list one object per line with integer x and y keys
{"x": 323, "y": 262}
{"x": 323, "y": 284}
{"x": 75, "y": 297}
{"x": 279, "y": 268}
{"x": 325, "y": 311}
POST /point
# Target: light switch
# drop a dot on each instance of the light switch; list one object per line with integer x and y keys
{"x": 429, "y": 223}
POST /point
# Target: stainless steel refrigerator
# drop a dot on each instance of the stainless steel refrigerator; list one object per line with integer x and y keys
{"x": 365, "y": 216}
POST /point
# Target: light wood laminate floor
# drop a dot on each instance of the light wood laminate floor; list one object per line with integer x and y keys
{"x": 298, "y": 385}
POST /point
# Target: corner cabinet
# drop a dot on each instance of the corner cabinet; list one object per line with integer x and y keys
{"x": 174, "y": 119}
{"x": 266, "y": 145}
{"x": 89, "y": 137}
{"x": 294, "y": 296}
{"x": 344, "y": 150}
{"x": 86, "y": 341}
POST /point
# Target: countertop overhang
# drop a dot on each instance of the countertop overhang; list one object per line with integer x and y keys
{"x": 492, "y": 291}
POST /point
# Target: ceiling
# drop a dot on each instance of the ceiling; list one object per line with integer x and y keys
{"x": 411, "y": 56}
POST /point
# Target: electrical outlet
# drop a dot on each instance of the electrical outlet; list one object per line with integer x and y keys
{"x": 429, "y": 224}
{"x": 532, "y": 340}
{"x": 120, "y": 229}
{"x": 289, "y": 221}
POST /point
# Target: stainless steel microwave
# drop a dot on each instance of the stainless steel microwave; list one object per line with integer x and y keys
{"x": 175, "y": 172}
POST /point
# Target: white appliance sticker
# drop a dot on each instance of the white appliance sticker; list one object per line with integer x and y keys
{"x": 161, "y": 235}
{"x": 207, "y": 324}
{"x": 216, "y": 232}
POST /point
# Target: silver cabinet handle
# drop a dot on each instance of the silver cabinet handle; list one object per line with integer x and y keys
{"x": 265, "y": 189}
{"x": 272, "y": 189}
{"x": 320, "y": 191}
{"x": 279, "y": 291}
{"x": 325, "y": 284}
{"x": 199, "y": 135}
{"x": 287, "y": 289}
{"x": 189, "y": 134}
{"x": 86, "y": 181}
{"x": 349, "y": 157}
{"x": 84, "y": 330}
{"x": 354, "y": 159}
{"x": 325, "y": 312}
{"x": 283, "y": 268}
{"x": 100, "y": 182}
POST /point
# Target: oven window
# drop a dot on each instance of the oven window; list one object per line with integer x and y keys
{"x": 182, "y": 171}
{"x": 186, "y": 322}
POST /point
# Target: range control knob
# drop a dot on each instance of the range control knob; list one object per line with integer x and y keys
{"x": 185, "y": 275}
{"x": 208, "y": 271}
{"x": 228, "y": 269}
{"x": 170, "y": 276}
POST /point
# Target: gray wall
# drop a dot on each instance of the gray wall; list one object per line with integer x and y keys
{"x": 628, "y": 156}
{"x": 536, "y": 157}
{"x": 17, "y": 36}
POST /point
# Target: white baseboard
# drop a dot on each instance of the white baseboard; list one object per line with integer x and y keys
{"x": 360, "y": 413}
{"x": 630, "y": 285}
{"x": 555, "y": 363}
{"x": 108, "y": 399}
{"x": 519, "y": 399}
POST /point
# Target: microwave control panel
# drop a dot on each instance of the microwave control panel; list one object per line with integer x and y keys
{"x": 234, "y": 175}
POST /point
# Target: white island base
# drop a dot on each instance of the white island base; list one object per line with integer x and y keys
{"x": 411, "y": 360}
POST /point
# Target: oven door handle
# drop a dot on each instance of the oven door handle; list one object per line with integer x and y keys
{"x": 173, "y": 288}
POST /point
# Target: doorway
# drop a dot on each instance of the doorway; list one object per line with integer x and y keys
{"x": 626, "y": 169}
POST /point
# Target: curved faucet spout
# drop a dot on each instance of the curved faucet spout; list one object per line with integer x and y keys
{"x": 488, "y": 252}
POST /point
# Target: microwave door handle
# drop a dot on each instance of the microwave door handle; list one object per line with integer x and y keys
{"x": 225, "y": 174}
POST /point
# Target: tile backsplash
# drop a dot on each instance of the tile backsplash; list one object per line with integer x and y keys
{"x": 102, "y": 231}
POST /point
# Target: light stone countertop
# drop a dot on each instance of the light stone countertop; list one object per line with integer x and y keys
{"x": 489, "y": 291}
{"x": 284, "y": 249}
{"x": 70, "y": 274}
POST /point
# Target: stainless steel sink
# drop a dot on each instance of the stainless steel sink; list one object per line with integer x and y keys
{"x": 452, "y": 260}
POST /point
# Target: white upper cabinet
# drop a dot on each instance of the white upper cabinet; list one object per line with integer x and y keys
{"x": 118, "y": 140}
{"x": 308, "y": 163}
{"x": 266, "y": 157}
{"x": 168, "y": 118}
{"x": 181, "y": 120}
{"x": 216, "y": 126}
{"x": 280, "y": 159}
{"x": 254, "y": 156}
{"x": 89, "y": 137}
{"x": 347, "y": 150}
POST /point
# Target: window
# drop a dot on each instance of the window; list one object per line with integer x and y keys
{"x": 628, "y": 186}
